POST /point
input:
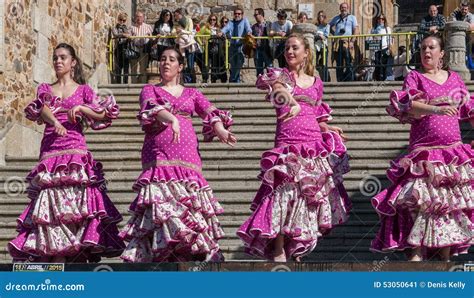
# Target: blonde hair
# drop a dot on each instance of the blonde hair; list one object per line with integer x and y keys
{"x": 122, "y": 15}
{"x": 309, "y": 66}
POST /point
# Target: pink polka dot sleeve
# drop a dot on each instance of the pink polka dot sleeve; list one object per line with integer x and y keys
{"x": 43, "y": 97}
{"x": 100, "y": 103}
{"x": 210, "y": 115}
{"x": 150, "y": 105}
{"x": 466, "y": 100}
{"x": 322, "y": 110}
{"x": 401, "y": 100}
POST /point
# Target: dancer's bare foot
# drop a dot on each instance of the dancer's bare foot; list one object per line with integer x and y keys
{"x": 279, "y": 252}
{"x": 416, "y": 255}
{"x": 445, "y": 254}
{"x": 280, "y": 257}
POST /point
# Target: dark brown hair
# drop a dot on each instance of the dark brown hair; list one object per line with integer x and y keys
{"x": 78, "y": 72}
{"x": 178, "y": 55}
{"x": 440, "y": 40}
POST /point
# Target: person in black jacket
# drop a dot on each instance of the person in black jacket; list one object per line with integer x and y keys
{"x": 263, "y": 52}
{"x": 163, "y": 28}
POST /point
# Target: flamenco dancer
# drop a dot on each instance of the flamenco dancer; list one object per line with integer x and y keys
{"x": 428, "y": 209}
{"x": 174, "y": 217}
{"x": 70, "y": 218}
{"x": 301, "y": 197}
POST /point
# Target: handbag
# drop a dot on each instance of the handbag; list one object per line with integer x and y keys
{"x": 131, "y": 51}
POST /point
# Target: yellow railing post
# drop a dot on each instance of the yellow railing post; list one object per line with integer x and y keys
{"x": 111, "y": 56}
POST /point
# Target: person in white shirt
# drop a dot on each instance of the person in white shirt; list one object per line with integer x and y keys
{"x": 282, "y": 28}
{"x": 139, "y": 65}
{"x": 400, "y": 69}
{"x": 383, "y": 57}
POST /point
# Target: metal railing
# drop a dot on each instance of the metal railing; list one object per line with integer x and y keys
{"x": 364, "y": 54}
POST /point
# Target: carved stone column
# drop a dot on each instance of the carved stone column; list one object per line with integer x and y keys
{"x": 455, "y": 48}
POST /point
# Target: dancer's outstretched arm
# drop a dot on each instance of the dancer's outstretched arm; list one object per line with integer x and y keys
{"x": 165, "y": 116}
{"x": 224, "y": 135}
{"x": 88, "y": 112}
{"x": 280, "y": 90}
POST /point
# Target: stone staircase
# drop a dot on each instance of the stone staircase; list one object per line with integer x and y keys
{"x": 359, "y": 109}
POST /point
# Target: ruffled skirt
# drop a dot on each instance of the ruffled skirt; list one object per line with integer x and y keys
{"x": 174, "y": 218}
{"x": 430, "y": 204}
{"x": 301, "y": 197}
{"x": 70, "y": 214}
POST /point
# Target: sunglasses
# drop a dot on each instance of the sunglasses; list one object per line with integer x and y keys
{"x": 122, "y": 20}
{"x": 213, "y": 19}
{"x": 225, "y": 22}
{"x": 237, "y": 13}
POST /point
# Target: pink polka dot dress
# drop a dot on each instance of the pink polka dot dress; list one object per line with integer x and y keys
{"x": 431, "y": 200}
{"x": 69, "y": 213}
{"x": 301, "y": 195}
{"x": 174, "y": 216}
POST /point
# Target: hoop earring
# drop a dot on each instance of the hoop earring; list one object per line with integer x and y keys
{"x": 303, "y": 65}
{"x": 440, "y": 63}
{"x": 72, "y": 72}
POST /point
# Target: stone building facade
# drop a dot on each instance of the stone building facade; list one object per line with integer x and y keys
{"x": 29, "y": 32}
{"x": 364, "y": 10}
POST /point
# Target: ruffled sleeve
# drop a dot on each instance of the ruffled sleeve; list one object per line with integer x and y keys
{"x": 210, "y": 115}
{"x": 150, "y": 105}
{"x": 275, "y": 75}
{"x": 467, "y": 109}
{"x": 100, "y": 104}
{"x": 465, "y": 100}
{"x": 322, "y": 109}
{"x": 323, "y": 112}
{"x": 43, "y": 97}
{"x": 401, "y": 100}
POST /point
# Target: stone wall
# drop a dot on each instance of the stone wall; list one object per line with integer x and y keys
{"x": 363, "y": 9}
{"x": 202, "y": 9}
{"x": 29, "y": 32}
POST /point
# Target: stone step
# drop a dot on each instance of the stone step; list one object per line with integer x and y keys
{"x": 256, "y": 104}
{"x": 272, "y": 121}
{"x": 337, "y": 86}
{"x": 228, "y": 98}
{"x": 356, "y": 165}
{"x": 249, "y": 147}
{"x": 269, "y": 129}
{"x": 210, "y": 158}
{"x": 270, "y": 113}
{"x": 261, "y": 138}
